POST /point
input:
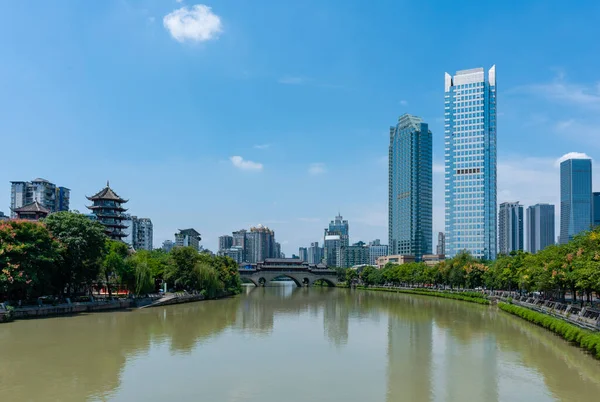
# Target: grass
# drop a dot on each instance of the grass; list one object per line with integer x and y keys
{"x": 471, "y": 297}
{"x": 587, "y": 340}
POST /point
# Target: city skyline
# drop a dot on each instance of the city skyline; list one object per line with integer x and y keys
{"x": 312, "y": 119}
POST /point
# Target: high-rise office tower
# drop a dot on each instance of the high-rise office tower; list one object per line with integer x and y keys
{"x": 441, "y": 244}
{"x": 315, "y": 253}
{"x": 376, "y": 250}
{"x": 303, "y": 254}
{"x": 47, "y": 194}
{"x": 510, "y": 227}
{"x": 336, "y": 237}
{"x": 410, "y": 187}
{"x": 540, "y": 227}
{"x": 260, "y": 244}
{"x": 596, "y": 209}
{"x": 575, "y": 198}
{"x": 470, "y": 167}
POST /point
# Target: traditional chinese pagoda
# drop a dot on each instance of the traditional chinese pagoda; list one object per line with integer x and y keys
{"x": 109, "y": 211}
{"x": 32, "y": 212}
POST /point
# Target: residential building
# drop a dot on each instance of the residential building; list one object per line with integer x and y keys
{"x": 32, "y": 212}
{"x": 441, "y": 244}
{"x": 410, "y": 175}
{"x": 142, "y": 233}
{"x": 127, "y": 221}
{"x": 394, "y": 259}
{"x": 470, "y": 163}
{"x": 234, "y": 252}
{"x": 356, "y": 254}
{"x": 303, "y": 253}
{"x": 260, "y": 244}
{"x": 376, "y": 250}
{"x": 596, "y": 209}
{"x": 108, "y": 208}
{"x": 3, "y": 217}
{"x": 540, "y": 227}
{"x": 575, "y": 198}
{"x": 168, "y": 245}
{"x": 277, "y": 252}
{"x": 225, "y": 242}
{"x": 47, "y": 194}
{"x": 188, "y": 238}
{"x": 315, "y": 253}
{"x": 336, "y": 236}
{"x": 510, "y": 227}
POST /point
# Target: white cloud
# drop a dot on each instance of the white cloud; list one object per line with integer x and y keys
{"x": 197, "y": 23}
{"x": 151, "y": 20}
{"x": 242, "y": 164}
{"x": 565, "y": 92}
{"x": 292, "y": 80}
{"x": 403, "y": 102}
{"x": 262, "y": 146}
{"x": 571, "y": 155}
{"x": 317, "y": 168}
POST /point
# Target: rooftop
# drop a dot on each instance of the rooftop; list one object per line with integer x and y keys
{"x": 107, "y": 193}
{"x": 33, "y": 207}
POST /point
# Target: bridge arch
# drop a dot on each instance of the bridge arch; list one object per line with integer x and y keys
{"x": 330, "y": 282}
{"x": 292, "y": 277}
{"x": 249, "y": 279}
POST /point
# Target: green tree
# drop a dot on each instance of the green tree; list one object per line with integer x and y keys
{"x": 115, "y": 262}
{"x": 83, "y": 246}
{"x": 27, "y": 256}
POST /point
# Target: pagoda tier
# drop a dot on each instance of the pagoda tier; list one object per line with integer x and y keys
{"x": 107, "y": 207}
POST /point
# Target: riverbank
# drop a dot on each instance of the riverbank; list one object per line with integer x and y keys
{"x": 102, "y": 306}
{"x": 585, "y": 339}
{"x": 470, "y": 297}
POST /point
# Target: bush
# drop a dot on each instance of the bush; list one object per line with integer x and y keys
{"x": 587, "y": 340}
{"x": 8, "y": 315}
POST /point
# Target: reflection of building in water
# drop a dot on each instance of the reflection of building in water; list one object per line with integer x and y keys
{"x": 409, "y": 359}
{"x": 471, "y": 367}
{"x": 335, "y": 322}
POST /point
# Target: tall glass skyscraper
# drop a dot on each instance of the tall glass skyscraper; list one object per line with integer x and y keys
{"x": 410, "y": 187}
{"x": 510, "y": 227}
{"x": 470, "y": 162}
{"x": 540, "y": 227}
{"x": 575, "y": 198}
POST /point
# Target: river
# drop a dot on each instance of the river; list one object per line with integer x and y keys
{"x": 287, "y": 344}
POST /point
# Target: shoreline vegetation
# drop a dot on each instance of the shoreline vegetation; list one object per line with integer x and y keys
{"x": 67, "y": 260}
{"x": 584, "y": 339}
{"x": 471, "y": 297}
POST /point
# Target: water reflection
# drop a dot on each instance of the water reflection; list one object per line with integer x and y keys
{"x": 436, "y": 350}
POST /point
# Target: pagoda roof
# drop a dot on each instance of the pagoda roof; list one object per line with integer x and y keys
{"x": 120, "y": 209}
{"x": 33, "y": 207}
{"x": 107, "y": 193}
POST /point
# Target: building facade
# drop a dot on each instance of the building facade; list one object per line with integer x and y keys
{"x": 168, "y": 245}
{"x": 356, "y": 254}
{"x": 510, "y": 227}
{"x": 394, "y": 259}
{"x": 107, "y": 206}
{"x": 48, "y": 195}
{"x": 596, "y": 208}
{"x": 142, "y": 233}
{"x": 303, "y": 254}
{"x": 410, "y": 192}
{"x": 540, "y": 227}
{"x": 336, "y": 236}
{"x": 315, "y": 253}
{"x": 470, "y": 163}
{"x": 225, "y": 242}
{"x": 441, "y": 244}
{"x": 575, "y": 198}
{"x": 376, "y": 250}
{"x": 188, "y": 238}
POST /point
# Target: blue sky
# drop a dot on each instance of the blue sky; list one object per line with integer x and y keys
{"x": 278, "y": 112}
